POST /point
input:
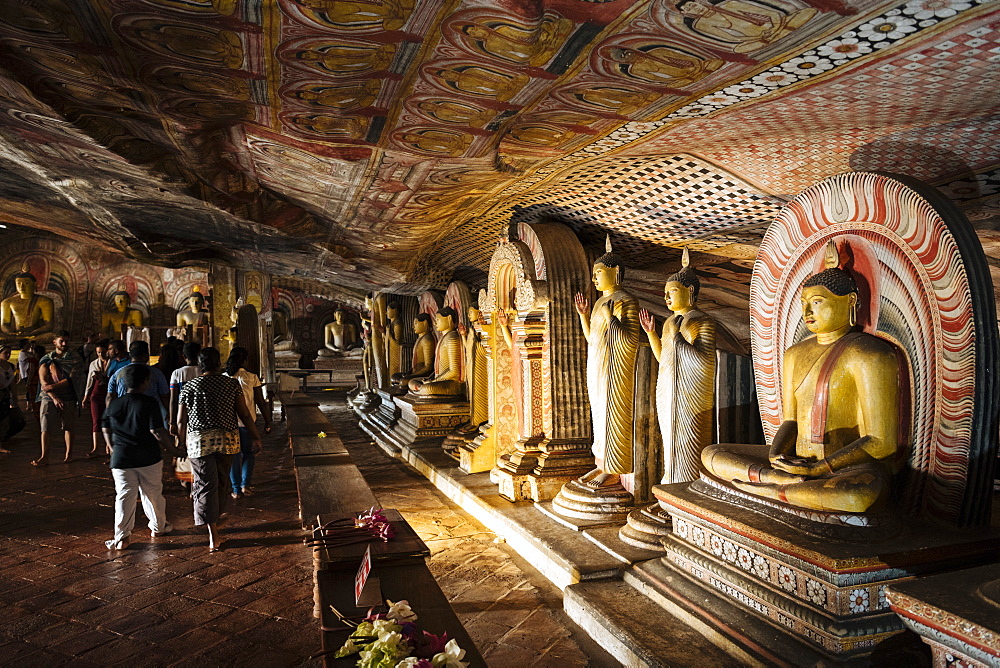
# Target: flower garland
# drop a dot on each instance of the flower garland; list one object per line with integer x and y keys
{"x": 392, "y": 640}
{"x": 362, "y": 529}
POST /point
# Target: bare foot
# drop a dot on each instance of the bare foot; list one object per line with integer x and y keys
{"x": 586, "y": 477}
{"x": 68, "y": 460}
{"x": 602, "y": 480}
{"x": 4, "y": 451}
{"x": 39, "y": 462}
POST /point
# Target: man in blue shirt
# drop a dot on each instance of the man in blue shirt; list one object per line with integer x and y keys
{"x": 158, "y": 387}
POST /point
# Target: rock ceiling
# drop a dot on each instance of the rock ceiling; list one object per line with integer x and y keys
{"x": 386, "y": 143}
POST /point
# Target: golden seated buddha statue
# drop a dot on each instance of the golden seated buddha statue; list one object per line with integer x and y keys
{"x": 845, "y": 396}
{"x": 449, "y": 377}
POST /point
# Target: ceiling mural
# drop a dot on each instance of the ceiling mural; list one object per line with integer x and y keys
{"x": 387, "y": 143}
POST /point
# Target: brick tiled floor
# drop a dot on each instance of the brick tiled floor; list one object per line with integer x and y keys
{"x": 164, "y": 601}
{"x": 167, "y": 601}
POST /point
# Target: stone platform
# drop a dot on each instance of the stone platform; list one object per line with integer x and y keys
{"x": 780, "y": 567}
{"x": 957, "y": 614}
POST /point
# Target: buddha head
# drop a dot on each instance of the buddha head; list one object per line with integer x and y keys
{"x": 692, "y": 8}
{"x": 196, "y": 301}
{"x": 339, "y": 316}
{"x": 608, "y": 270}
{"x": 444, "y": 319}
{"x": 421, "y": 324}
{"x": 829, "y": 299}
{"x": 473, "y": 314}
{"x": 392, "y": 311}
{"x": 121, "y": 300}
{"x": 24, "y": 282}
{"x": 681, "y": 289}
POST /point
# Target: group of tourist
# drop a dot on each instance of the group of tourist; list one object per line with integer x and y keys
{"x": 193, "y": 412}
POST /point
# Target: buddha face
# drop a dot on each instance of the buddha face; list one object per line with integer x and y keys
{"x": 605, "y": 278}
{"x": 195, "y": 302}
{"x": 338, "y": 317}
{"x": 473, "y": 314}
{"x": 419, "y": 327}
{"x": 678, "y": 296}
{"x": 692, "y": 8}
{"x": 391, "y": 313}
{"x": 825, "y": 312}
{"x": 122, "y": 302}
{"x": 25, "y": 287}
{"x": 442, "y": 323}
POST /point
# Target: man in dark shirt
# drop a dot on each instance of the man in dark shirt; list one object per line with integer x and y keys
{"x": 133, "y": 424}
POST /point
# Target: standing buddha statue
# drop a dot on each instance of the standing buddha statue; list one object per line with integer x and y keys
{"x": 393, "y": 339}
{"x": 612, "y": 332}
{"x": 685, "y": 384}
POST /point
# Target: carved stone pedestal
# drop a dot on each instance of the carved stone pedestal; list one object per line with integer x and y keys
{"x": 400, "y": 421}
{"x": 537, "y": 471}
{"x": 344, "y": 367}
{"x": 578, "y": 500}
{"x": 287, "y": 359}
{"x": 957, "y": 614}
{"x": 645, "y": 527}
{"x": 480, "y": 453}
{"x": 818, "y": 578}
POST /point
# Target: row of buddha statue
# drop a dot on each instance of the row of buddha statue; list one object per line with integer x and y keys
{"x": 27, "y": 314}
{"x": 836, "y": 450}
{"x": 838, "y": 445}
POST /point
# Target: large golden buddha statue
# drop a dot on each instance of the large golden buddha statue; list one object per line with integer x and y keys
{"x": 841, "y": 439}
{"x": 449, "y": 376}
{"x": 27, "y": 314}
{"x": 612, "y": 331}
{"x": 112, "y": 320}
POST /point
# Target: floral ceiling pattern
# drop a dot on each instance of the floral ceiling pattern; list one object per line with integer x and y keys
{"x": 385, "y": 144}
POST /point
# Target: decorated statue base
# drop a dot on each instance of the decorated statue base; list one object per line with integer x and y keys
{"x": 957, "y": 614}
{"x": 401, "y": 421}
{"x": 605, "y": 504}
{"x": 287, "y": 359}
{"x": 344, "y": 367}
{"x": 645, "y": 528}
{"x": 818, "y": 577}
{"x": 537, "y": 471}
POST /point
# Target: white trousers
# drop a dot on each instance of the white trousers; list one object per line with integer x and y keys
{"x": 147, "y": 483}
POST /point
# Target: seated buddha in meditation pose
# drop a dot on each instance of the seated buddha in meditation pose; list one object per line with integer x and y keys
{"x": 339, "y": 335}
{"x": 449, "y": 377}
{"x": 841, "y": 439}
{"x": 423, "y": 353}
{"x": 27, "y": 314}
{"x": 122, "y": 314}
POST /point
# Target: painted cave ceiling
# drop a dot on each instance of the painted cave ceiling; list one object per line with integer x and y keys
{"x": 387, "y": 143}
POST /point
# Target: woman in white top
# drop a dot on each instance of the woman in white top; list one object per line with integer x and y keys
{"x": 242, "y": 471}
